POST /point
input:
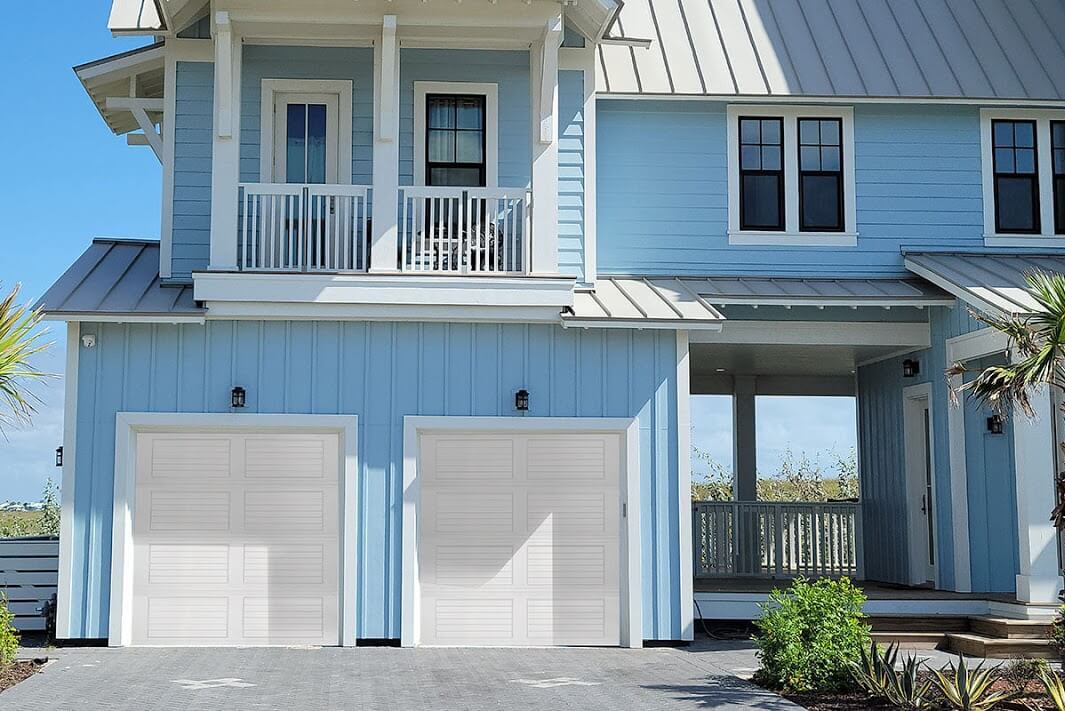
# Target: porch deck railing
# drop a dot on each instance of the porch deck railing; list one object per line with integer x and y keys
{"x": 777, "y": 540}
{"x": 458, "y": 230}
{"x": 303, "y": 228}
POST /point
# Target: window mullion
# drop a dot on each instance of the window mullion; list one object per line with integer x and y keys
{"x": 1044, "y": 188}
{"x": 791, "y": 174}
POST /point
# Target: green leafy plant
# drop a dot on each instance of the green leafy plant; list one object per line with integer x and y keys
{"x": 1055, "y": 688}
{"x": 906, "y": 689}
{"x": 20, "y": 342}
{"x": 1019, "y": 673}
{"x": 873, "y": 672}
{"x": 8, "y": 635}
{"x": 968, "y": 690}
{"x": 811, "y": 635}
{"x": 1057, "y": 633}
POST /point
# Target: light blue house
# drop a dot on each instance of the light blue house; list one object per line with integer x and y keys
{"x": 412, "y": 358}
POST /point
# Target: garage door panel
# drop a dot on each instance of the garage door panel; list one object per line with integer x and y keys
{"x": 528, "y": 558}
{"x": 247, "y": 557}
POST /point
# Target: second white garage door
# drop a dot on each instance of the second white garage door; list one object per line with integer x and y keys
{"x": 236, "y": 539}
{"x": 519, "y": 539}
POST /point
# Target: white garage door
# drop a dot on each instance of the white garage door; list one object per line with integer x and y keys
{"x": 236, "y": 539}
{"x": 519, "y": 539}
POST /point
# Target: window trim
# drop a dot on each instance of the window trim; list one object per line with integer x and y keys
{"x": 779, "y": 174}
{"x": 1046, "y": 236}
{"x": 343, "y": 88}
{"x": 1030, "y": 177}
{"x": 791, "y": 236}
{"x": 483, "y": 164}
{"x": 490, "y": 92}
{"x": 1055, "y": 177}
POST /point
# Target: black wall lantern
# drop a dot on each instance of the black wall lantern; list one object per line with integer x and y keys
{"x": 521, "y": 400}
{"x": 994, "y": 424}
{"x": 910, "y": 368}
{"x": 238, "y": 397}
{"x": 59, "y": 456}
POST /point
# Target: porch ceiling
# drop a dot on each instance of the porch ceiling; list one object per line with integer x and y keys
{"x": 712, "y": 359}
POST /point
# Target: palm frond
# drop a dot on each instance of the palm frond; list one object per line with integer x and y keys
{"x": 20, "y": 342}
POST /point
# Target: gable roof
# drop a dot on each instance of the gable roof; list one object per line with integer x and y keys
{"x": 951, "y": 49}
{"x": 111, "y": 76}
{"x": 116, "y": 278}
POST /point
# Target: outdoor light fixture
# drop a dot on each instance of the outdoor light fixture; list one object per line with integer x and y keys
{"x": 994, "y": 424}
{"x": 910, "y": 368}
{"x": 238, "y": 397}
{"x": 59, "y": 456}
{"x": 521, "y": 400}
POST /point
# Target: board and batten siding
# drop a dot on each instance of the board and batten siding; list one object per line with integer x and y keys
{"x": 571, "y": 173}
{"x": 191, "y": 233}
{"x": 662, "y": 191}
{"x": 354, "y": 64}
{"x": 380, "y": 372}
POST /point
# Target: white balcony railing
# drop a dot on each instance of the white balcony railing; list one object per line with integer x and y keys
{"x": 777, "y": 540}
{"x": 457, "y": 230}
{"x": 303, "y": 228}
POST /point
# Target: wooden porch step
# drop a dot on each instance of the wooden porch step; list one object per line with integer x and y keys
{"x": 1006, "y": 628}
{"x": 919, "y": 623}
{"x": 976, "y": 645}
{"x": 912, "y": 640}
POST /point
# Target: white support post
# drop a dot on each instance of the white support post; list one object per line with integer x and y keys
{"x": 1039, "y": 580}
{"x": 384, "y": 248}
{"x": 744, "y": 439}
{"x": 225, "y": 151}
{"x": 544, "y": 74}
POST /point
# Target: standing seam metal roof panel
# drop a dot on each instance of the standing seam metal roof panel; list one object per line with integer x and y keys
{"x": 993, "y": 281}
{"x": 965, "y": 49}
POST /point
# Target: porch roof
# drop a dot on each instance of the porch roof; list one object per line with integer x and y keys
{"x": 112, "y": 76}
{"x": 992, "y": 282}
{"x": 118, "y": 278}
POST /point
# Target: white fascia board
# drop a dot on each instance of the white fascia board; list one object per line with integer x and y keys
{"x": 651, "y": 324}
{"x": 260, "y": 311}
{"x": 383, "y": 289}
{"x": 821, "y": 333}
{"x": 104, "y": 317}
{"x": 800, "y": 301}
{"x": 821, "y": 99}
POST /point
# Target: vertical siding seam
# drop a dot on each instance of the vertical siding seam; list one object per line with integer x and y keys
{"x": 390, "y": 483}
{"x": 180, "y": 369}
{"x": 152, "y": 330}
{"x": 287, "y": 366}
{"x": 261, "y": 339}
{"x": 501, "y": 389}
{"x": 205, "y": 402}
{"x": 315, "y": 335}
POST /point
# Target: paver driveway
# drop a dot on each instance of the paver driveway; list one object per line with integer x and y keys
{"x": 386, "y": 679}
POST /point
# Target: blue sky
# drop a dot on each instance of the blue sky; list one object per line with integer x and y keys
{"x": 68, "y": 179}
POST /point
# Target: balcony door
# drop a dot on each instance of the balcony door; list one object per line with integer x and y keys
{"x": 306, "y": 138}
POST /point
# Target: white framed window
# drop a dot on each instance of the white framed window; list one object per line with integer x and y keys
{"x": 305, "y": 131}
{"x": 463, "y": 132}
{"x": 791, "y": 176}
{"x": 1023, "y": 168}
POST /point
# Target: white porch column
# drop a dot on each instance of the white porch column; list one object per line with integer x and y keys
{"x": 384, "y": 248}
{"x": 225, "y": 145}
{"x": 543, "y": 73}
{"x": 1034, "y": 447}
{"x": 744, "y": 439}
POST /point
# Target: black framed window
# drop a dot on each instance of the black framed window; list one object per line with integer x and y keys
{"x": 1057, "y": 148}
{"x": 821, "y": 175}
{"x": 455, "y": 140}
{"x": 761, "y": 173}
{"x": 1016, "y": 176}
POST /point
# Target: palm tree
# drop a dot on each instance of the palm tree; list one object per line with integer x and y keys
{"x": 19, "y": 344}
{"x": 1037, "y": 346}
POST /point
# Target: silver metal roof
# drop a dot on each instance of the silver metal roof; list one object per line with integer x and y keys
{"x": 656, "y": 302}
{"x": 115, "y": 278}
{"x": 989, "y": 282}
{"x": 973, "y": 49}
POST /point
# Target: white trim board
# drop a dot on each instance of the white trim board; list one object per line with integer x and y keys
{"x": 129, "y": 424}
{"x": 1046, "y": 237}
{"x": 820, "y": 333}
{"x": 64, "y": 594}
{"x": 490, "y": 92}
{"x": 628, "y": 428}
{"x": 791, "y": 236}
{"x": 684, "y": 487}
{"x": 343, "y": 88}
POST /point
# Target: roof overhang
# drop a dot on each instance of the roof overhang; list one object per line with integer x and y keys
{"x": 990, "y": 282}
{"x": 138, "y": 73}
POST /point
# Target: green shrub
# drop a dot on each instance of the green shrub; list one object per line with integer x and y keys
{"x": 1018, "y": 673}
{"x": 8, "y": 635}
{"x": 810, "y": 637}
{"x": 1057, "y": 633}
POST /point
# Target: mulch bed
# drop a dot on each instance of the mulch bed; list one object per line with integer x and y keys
{"x": 1032, "y": 697}
{"x": 15, "y": 672}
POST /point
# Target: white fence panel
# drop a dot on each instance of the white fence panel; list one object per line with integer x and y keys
{"x": 29, "y": 576}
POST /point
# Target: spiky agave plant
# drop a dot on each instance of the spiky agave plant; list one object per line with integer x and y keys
{"x": 20, "y": 341}
{"x": 906, "y": 689}
{"x": 1037, "y": 347}
{"x": 874, "y": 672}
{"x": 968, "y": 690}
{"x": 1055, "y": 688}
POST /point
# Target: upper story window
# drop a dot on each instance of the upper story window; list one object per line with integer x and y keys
{"x": 1023, "y": 176}
{"x": 791, "y": 178}
{"x": 455, "y": 140}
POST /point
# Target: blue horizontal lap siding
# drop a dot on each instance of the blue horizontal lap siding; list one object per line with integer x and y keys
{"x": 194, "y": 98}
{"x": 571, "y": 173}
{"x": 380, "y": 372}
{"x": 354, "y": 64}
{"x": 663, "y": 191}
{"x": 508, "y": 69}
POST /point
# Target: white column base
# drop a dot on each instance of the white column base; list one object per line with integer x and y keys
{"x": 1037, "y": 589}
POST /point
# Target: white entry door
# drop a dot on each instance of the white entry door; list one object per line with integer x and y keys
{"x": 519, "y": 539}
{"x": 920, "y": 485}
{"x": 235, "y": 539}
